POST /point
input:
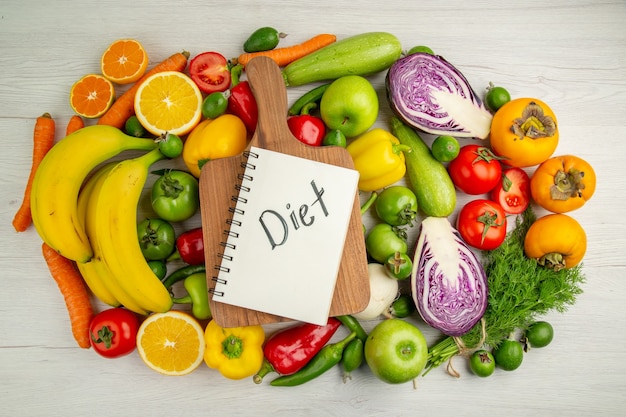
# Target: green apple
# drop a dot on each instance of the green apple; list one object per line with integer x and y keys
{"x": 396, "y": 351}
{"x": 350, "y": 105}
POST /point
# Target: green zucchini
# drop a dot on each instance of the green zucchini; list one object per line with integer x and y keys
{"x": 363, "y": 54}
{"x": 429, "y": 179}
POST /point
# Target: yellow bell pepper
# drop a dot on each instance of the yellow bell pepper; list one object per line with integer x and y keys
{"x": 221, "y": 137}
{"x": 236, "y": 352}
{"x": 379, "y": 158}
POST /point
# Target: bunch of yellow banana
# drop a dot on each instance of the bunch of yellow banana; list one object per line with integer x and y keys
{"x": 59, "y": 178}
{"x": 118, "y": 272}
{"x": 96, "y": 225}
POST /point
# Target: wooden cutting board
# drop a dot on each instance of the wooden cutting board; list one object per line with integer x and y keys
{"x": 217, "y": 180}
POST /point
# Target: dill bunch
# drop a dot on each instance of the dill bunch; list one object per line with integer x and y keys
{"x": 520, "y": 290}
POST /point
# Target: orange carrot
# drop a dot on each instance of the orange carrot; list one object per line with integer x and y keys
{"x": 76, "y": 122}
{"x": 124, "y": 106}
{"x": 43, "y": 140}
{"x": 74, "y": 292}
{"x": 285, "y": 55}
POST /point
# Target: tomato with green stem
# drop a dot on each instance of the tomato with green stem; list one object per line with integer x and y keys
{"x": 113, "y": 332}
{"x": 476, "y": 169}
{"x": 384, "y": 240}
{"x": 175, "y": 195}
{"x": 482, "y": 224}
{"x": 157, "y": 239}
{"x": 397, "y": 205}
{"x": 513, "y": 191}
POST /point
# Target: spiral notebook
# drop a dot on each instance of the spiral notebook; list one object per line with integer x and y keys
{"x": 284, "y": 242}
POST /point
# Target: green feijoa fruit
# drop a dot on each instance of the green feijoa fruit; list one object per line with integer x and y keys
{"x": 134, "y": 128}
{"x": 496, "y": 97}
{"x": 402, "y": 307}
{"x": 214, "y": 105}
{"x": 539, "y": 334}
{"x": 263, "y": 39}
{"x": 334, "y": 138}
{"x": 509, "y": 355}
{"x": 482, "y": 363}
{"x": 445, "y": 148}
{"x": 420, "y": 48}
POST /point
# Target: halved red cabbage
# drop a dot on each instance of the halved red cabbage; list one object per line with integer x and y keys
{"x": 429, "y": 93}
{"x": 448, "y": 283}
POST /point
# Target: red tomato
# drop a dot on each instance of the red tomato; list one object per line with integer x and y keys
{"x": 513, "y": 191}
{"x": 113, "y": 332}
{"x": 476, "y": 170}
{"x": 482, "y": 224}
{"x": 210, "y": 72}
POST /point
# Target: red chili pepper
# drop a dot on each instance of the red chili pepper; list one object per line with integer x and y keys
{"x": 190, "y": 247}
{"x": 306, "y": 128}
{"x": 289, "y": 349}
{"x": 241, "y": 101}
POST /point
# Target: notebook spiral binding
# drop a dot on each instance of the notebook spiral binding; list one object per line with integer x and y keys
{"x": 231, "y": 223}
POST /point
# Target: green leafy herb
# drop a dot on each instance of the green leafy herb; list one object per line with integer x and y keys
{"x": 520, "y": 290}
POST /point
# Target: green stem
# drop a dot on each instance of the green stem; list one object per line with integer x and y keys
{"x": 369, "y": 202}
{"x": 440, "y": 352}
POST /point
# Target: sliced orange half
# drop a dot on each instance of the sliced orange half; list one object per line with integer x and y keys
{"x": 125, "y": 61}
{"x": 91, "y": 96}
{"x": 171, "y": 343}
{"x": 168, "y": 101}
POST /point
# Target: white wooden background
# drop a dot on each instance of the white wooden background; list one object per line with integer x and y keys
{"x": 569, "y": 53}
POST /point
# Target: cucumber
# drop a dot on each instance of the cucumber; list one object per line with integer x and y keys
{"x": 429, "y": 179}
{"x": 362, "y": 54}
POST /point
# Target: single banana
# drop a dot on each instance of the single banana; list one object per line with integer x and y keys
{"x": 116, "y": 232}
{"x": 58, "y": 181}
{"x": 89, "y": 270}
{"x": 96, "y": 265}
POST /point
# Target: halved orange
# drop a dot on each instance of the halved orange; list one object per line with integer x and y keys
{"x": 91, "y": 96}
{"x": 125, "y": 61}
{"x": 171, "y": 343}
{"x": 168, "y": 101}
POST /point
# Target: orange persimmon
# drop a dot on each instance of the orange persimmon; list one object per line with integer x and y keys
{"x": 563, "y": 183}
{"x": 556, "y": 241}
{"x": 525, "y": 131}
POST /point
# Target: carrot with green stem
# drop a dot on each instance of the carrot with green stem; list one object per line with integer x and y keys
{"x": 43, "y": 140}
{"x": 74, "y": 291}
{"x": 75, "y": 123}
{"x": 286, "y": 55}
{"x": 124, "y": 106}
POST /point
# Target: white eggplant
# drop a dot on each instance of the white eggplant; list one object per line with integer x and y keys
{"x": 448, "y": 282}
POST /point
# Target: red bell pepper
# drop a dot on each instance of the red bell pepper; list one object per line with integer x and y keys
{"x": 306, "y": 128}
{"x": 189, "y": 247}
{"x": 289, "y": 349}
{"x": 241, "y": 101}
